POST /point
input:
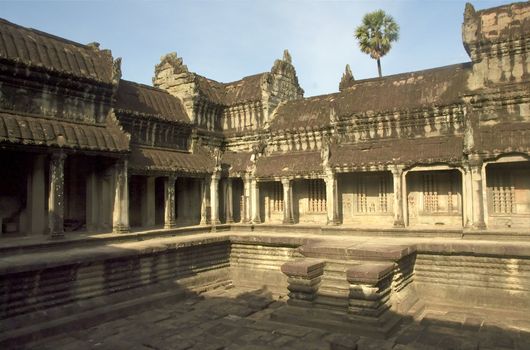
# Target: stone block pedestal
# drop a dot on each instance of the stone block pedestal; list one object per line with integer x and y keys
{"x": 303, "y": 277}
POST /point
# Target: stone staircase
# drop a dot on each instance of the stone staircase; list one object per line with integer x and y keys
{"x": 363, "y": 288}
{"x": 334, "y": 289}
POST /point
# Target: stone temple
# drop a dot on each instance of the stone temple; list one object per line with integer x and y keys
{"x": 393, "y": 214}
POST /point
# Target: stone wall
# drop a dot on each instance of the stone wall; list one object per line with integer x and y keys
{"x": 258, "y": 264}
{"x": 473, "y": 281}
{"x": 32, "y": 289}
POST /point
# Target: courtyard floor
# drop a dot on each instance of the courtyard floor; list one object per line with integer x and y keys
{"x": 237, "y": 318}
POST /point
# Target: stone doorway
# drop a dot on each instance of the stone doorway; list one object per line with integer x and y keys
{"x": 23, "y": 193}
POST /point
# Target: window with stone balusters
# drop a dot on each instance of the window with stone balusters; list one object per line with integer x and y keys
{"x": 276, "y": 197}
{"x": 441, "y": 192}
{"x": 372, "y": 194}
{"x": 501, "y": 192}
{"x": 316, "y": 196}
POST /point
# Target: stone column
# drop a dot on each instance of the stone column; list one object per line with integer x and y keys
{"x": 56, "y": 195}
{"x": 397, "y": 174}
{"x": 205, "y": 205}
{"x": 475, "y": 165}
{"x": 148, "y": 202}
{"x": 120, "y": 214}
{"x": 467, "y": 197}
{"x": 247, "y": 181}
{"x": 214, "y": 198}
{"x": 287, "y": 202}
{"x": 229, "y": 201}
{"x": 254, "y": 196}
{"x": 36, "y": 196}
{"x": 169, "y": 205}
{"x": 405, "y": 199}
{"x": 332, "y": 198}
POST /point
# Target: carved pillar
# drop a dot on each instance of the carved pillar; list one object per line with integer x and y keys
{"x": 287, "y": 202}
{"x": 205, "y": 205}
{"x": 120, "y": 215}
{"x": 397, "y": 174}
{"x": 475, "y": 165}
{"x": 169, "y": 204}
{"x": 214, "y": 198}
{"x": 229, "y": 201}
{"x": 332, "y": 198}
{"x": 467, "y": 195}
{"x": 254, "y": 196}
{"x": 56, "y": 195}
{"x": 246, "y": 198}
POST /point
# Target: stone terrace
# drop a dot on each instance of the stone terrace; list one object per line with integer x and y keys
{"x": 154, "y": 290}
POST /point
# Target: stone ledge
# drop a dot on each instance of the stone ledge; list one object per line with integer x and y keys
{"x": 304, "y": 268}
{"x": 500, "y": 249}
{"x": 361, "y": 251}
{"x": 39, "y": 261}
{"x": 369, "y": 273}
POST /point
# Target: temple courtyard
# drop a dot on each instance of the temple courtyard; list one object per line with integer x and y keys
{"x": 393, "y": 213}
{"x": 249, "y": 302}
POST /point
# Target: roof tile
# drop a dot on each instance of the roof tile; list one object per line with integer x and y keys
{"x": 44, "y": 132}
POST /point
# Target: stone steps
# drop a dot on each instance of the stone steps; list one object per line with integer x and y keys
{"x": 352, "y": 288}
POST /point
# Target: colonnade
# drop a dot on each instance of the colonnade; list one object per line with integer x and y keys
{"x": 473, "y": 196}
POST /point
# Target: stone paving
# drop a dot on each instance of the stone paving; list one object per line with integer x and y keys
{"x": 237, "y": 318}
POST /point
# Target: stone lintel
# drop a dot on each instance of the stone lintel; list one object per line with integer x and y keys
{"x": 369, "y": 273}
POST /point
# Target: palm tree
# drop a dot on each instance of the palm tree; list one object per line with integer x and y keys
{"x": 376, "y": 35}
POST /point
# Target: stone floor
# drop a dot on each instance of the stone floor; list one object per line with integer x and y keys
{"x": 237, "y": 318}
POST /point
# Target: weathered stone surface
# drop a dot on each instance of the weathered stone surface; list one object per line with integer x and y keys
{"x": 369, "y": 273}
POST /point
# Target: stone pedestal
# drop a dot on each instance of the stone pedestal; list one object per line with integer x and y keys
{"x": 287, "y": 202}
{"x": 214, "y": 199}
{"x": 397, "y": 175}
{"x": 369, "y": 299}
{"x": 332, "y": 202}
{"x": 304, "y": 278}
{"x": 120, "y": 215}
{"x": 56, "y": 195}
{"x": 169, "y": 205}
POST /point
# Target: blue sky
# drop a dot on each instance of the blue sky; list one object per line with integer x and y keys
{"x": 227, "y": 40}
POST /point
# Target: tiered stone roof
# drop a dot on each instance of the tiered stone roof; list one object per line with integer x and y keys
{"x": 24, "y": 130}
{"x": 149, "y": 101}
{"x": 44, "y": 51}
